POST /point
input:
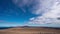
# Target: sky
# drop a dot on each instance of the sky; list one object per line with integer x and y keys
{"x": 30, "y": 13}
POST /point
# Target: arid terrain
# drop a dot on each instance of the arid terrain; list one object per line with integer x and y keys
{"x": 21, "y": 30}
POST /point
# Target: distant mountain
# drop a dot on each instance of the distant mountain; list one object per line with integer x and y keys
{"x": 1, "y": 28}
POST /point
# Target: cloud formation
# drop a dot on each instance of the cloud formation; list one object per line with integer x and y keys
{"x": 50, "y": 15}
{"x": 43, "y": 6}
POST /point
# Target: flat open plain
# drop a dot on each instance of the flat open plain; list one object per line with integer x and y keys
{"x": 19, "y": 30}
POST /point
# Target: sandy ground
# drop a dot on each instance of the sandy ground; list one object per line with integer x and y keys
{"x": 30, "y": 31}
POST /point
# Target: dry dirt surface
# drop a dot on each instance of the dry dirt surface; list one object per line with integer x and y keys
{"x": 30, "y": 31}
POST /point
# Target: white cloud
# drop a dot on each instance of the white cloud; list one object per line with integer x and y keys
{"x": 50, "y": 16}
{"x": 43, "y": 6}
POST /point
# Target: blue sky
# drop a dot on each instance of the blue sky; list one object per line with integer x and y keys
{"x": 33, "y": 13}
{"x": 10, "y": 13}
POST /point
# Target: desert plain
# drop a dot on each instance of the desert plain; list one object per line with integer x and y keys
{"x": 27, "y": 30}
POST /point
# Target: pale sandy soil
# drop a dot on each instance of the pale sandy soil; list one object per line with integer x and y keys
{"x": 30, "y": 31}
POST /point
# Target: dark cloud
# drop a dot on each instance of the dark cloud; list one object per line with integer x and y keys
{"x": 58, "y": 18}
